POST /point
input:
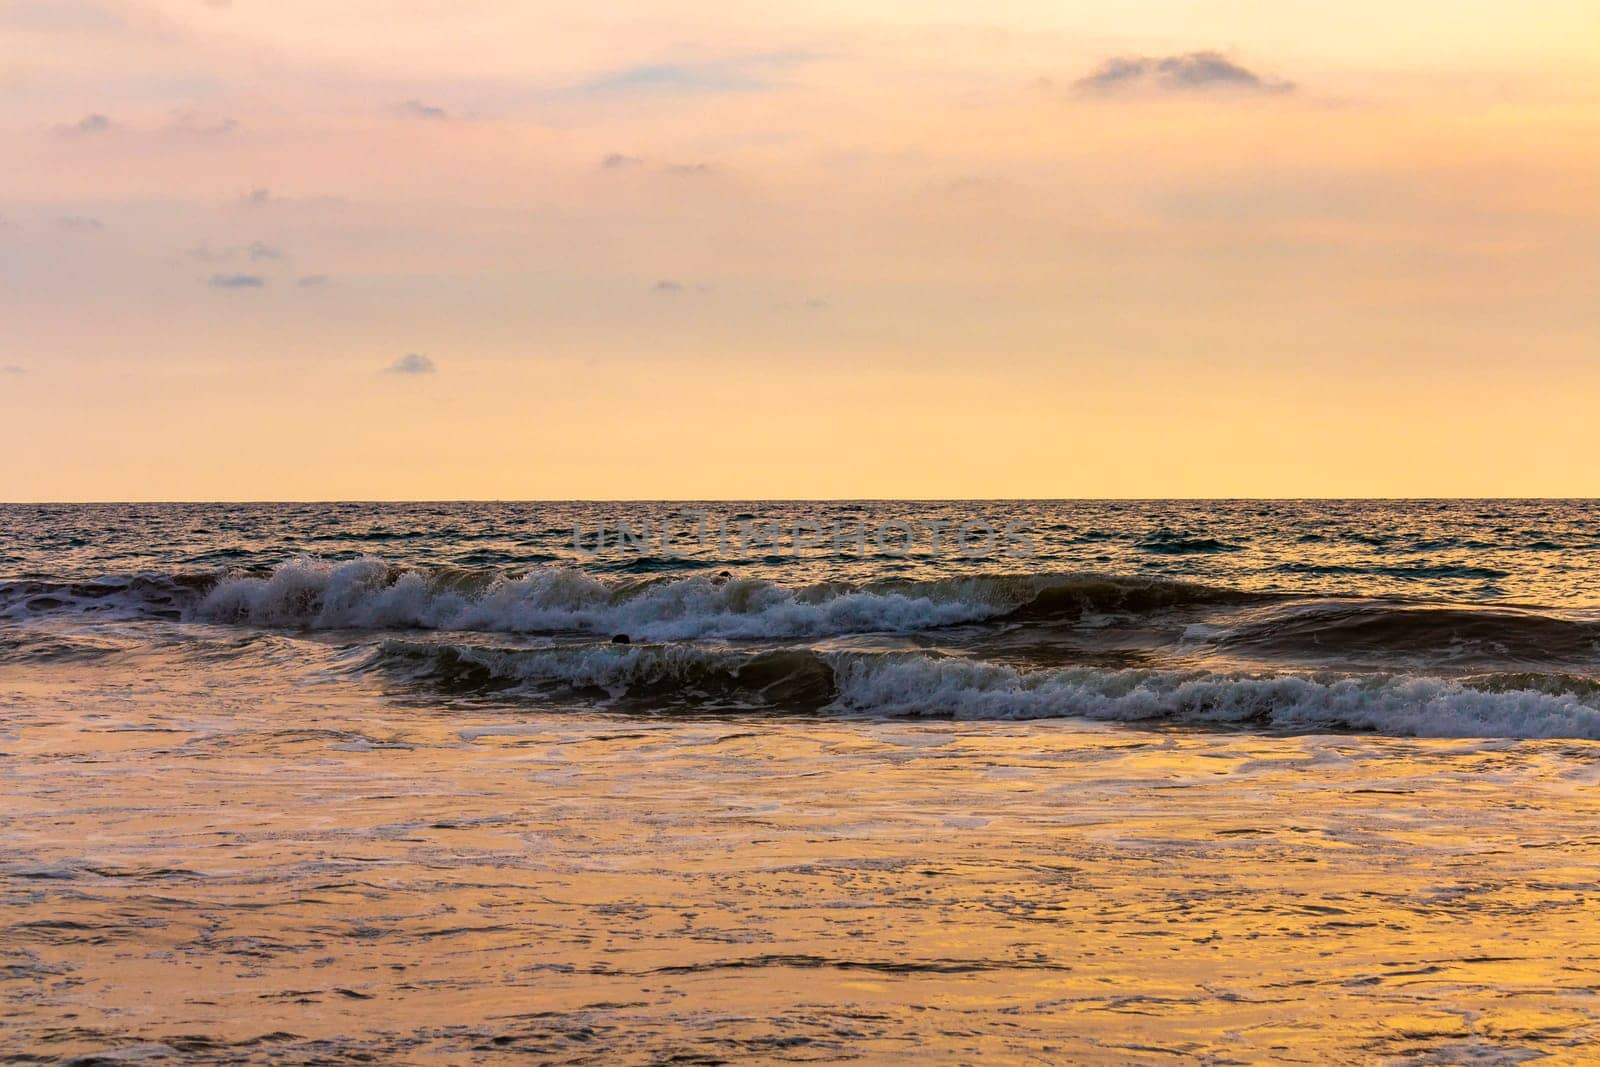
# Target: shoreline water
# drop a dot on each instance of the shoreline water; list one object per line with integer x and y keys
{"x": 196, "y": 874}
{"x": 333, "y": 786}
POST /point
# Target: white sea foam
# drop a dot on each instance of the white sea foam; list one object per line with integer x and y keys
{"x": 1389, "y": 704}
{"x": 902, "y": 684}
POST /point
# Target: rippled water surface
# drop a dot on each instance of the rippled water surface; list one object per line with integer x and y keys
{"x": 1524, "y": 550}
{"x": 1094, "y": 781}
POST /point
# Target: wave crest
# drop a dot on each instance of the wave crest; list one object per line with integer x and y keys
{"x": 897, "y": 684}
{"x": 369, "y": 594}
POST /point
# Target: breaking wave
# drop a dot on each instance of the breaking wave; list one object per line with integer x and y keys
{"x": 888, "y": 684}
{"x": 369, "y": 594}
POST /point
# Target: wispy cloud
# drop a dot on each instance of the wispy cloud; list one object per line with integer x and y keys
{"x": 1187, "y": 73}
{"x": 735, "y": 74}
{"x": 236, "y": 281}
{"x": 618, "y": 161}
{"x": 672, "y": 287}
{"x": 262, "y": 197}
{"x": 80, "y": 223}
{"x": 416, "y": 109}
{"x": 311, "y": 281}
{"x": 191, "y": 124}
{"x": 13, "y": 368}
{"x": 664, "y": 78}
{"x": 255, "y": 252}
{"x": 411, "y": 363}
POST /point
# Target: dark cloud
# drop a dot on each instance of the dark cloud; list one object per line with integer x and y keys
{"x": 80, "y": 223}
{"x": 618, "y": 161}
{"x": 259, "y": 250}
{"x": 13, "y": 368}
{"x": 416, "y": 109}
{"x": 259, "y": 197}
{"x": 311, "y": 281}
{"x": 1191, "y": 72}
{"x": 87, "y": 126}
{"x": 411, "y": 363}
{"x": 816, "y": 304}
{"x": 236, "y": 281}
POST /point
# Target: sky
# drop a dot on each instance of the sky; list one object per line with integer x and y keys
{"x": 487, "y": 249}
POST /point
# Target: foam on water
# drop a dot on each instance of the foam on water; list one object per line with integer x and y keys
{"x": 920, "y": 685}
{"x": 369, "y": 594}
{"x": 1418, "y": 618}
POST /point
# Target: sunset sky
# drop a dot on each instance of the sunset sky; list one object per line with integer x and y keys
{"x": 426, "y": 249}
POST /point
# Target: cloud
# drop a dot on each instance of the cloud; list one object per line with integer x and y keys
{"x": 80, "y": 223}
{"x": 738, "y": 74}
{"x": 1190, "y": 72}
{"x": 13, "y": 368}
{"x": 663, "y": 77}
{"x": 87, "y": 126}
{"x": 191, "y": 124}
{"x": 311, "y": 281}
{"x": 255, "y": 251}
{"x": 411, "y": 363}
{"x": 672, "y": 287}
{"x": 236, "y": 281}
{"x": 416, "y": 109}
{"x": 262, "y": 197}
{"x": 618, "y": 161}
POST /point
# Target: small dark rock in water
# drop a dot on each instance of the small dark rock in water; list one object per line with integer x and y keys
{"x": 621, "y": 639}
{"x": 724, "y": 574}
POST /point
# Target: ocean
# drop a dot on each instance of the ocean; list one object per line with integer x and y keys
{"x": 1416, "y": 618}
{"x": 1108, "y": 781}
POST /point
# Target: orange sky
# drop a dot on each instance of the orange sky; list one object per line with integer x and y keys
{"x": 712, "y": 249}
